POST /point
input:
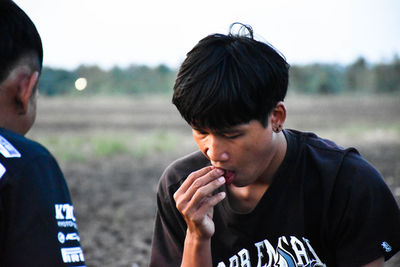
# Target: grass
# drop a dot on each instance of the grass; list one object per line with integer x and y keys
{"x": 79, "y": 148}
{"x": 113, "y": 125}
{"x": 350, "y": 134}
{"x": 156, "y": 142}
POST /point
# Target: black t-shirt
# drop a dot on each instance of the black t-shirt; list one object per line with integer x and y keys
{"x": 37, "y": 222}
{"x": 326, "y": 206}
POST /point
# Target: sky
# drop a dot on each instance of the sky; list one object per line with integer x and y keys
{"x": 152, "y": 32}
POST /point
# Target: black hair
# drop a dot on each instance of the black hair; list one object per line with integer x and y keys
{"x": 227, "y": 80}
{"x": 19, "y": 38}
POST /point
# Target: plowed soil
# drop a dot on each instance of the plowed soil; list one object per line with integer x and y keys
{"x": 114, "y": 195}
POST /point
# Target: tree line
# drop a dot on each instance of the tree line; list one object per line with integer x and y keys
{"x": 358, "y": 77}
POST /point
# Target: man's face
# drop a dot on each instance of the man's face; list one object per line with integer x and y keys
{"x": 245, "y": 151}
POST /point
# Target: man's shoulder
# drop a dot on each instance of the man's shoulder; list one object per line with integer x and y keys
{"x": 21, "y": 143}
{"x": 16, "y": 149}
{"x": 335, "y": 163}
{"x": 320, "y": 149}
{"x": 312, "y": 140}
{"x": 182, "y": 167}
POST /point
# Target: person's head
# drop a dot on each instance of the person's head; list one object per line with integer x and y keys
{"x": 231, "y": 79}
{"x": 230, "y": 89}
{"x": 21, "y": 55}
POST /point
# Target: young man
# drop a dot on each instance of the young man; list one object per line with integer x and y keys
{"x": 37, "y": 222}
{"x": 256, "y": 194}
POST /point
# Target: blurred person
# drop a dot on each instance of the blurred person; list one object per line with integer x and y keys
{"x": 37, "y": 222}
{"x": 257, "y": 194}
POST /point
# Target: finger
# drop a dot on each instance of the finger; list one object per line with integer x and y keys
{"x": 204, "y": 193}
{"x": 197, "y": 214}
{"x": 192, "y": 177}
{"x": 197, "y": 179}
{"x": 207, "y": 183}
{"x": 191, "y": 201}
{"x": 211, "y": 202}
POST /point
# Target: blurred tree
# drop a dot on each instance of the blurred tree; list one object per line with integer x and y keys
{"x": 309, "y": 79}
{"x": 387, "y": 76}
{"x": 98, "y": 80}
{"x": 359, "y": 77}
{"x": 56, "y": 81}
{"x": 299, "y": 77}
{"x": 317, "y": 78}
{"x": 121, "y": 82}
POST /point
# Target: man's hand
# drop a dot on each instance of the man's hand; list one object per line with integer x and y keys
{"x": 195, "y": 201}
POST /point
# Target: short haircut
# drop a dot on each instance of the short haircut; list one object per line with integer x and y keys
{"x": 227, "y": 80}
{"x": 19, "y": 38}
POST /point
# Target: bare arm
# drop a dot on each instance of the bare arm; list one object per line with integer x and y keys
{"x": 195, "y": 201}
{"x": 376, "y": 263}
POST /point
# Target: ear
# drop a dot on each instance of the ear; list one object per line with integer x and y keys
{"x": 278, "y": 117}
{"x": 25, "y": 89}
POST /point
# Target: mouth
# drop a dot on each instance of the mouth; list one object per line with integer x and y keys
{"x": 229, "y": 176}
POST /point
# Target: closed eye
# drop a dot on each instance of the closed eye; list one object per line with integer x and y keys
{"x": 201, "y": 132}
{"x": 232, "y": 135}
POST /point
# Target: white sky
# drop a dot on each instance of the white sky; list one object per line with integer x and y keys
{"x": 151, "y": 32}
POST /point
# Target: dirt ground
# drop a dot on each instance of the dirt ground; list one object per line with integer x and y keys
{"x": 114, "y": 195}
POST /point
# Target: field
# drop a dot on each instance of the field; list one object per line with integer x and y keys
{"x": 113, "y": 151}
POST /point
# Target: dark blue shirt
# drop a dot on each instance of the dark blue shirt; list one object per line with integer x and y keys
{"x": 37, "y": 222}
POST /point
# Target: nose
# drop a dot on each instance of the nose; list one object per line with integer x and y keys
{"x": 216, "y": 150}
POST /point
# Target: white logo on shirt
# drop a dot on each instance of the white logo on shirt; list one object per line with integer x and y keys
{"x": 73, "y": 236}
{"x": 385, "y": 245}
{"x": 61, "y": 237}
{"x": 2, "y": 170}
{"x": 7, "y": 149}
{"x": 71, "y": 255}
{"x": 290, "y": 251}
{"x": 65, "y": 212}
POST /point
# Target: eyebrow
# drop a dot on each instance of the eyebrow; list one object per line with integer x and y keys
{"x": 233, "y": 129}
{"x": 230, "y": 130}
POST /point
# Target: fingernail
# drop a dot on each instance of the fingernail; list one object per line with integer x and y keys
{"x": 220, "y": 172}
{"x": 221, "y": 179}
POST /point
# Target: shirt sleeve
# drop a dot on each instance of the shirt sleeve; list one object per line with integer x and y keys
{"x": 169, "y": 229}
{"x": 366, "y": 217}
{"x": 40, "y": 227}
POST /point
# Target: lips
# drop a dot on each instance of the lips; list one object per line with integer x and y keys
{"x": 229, "y": 176}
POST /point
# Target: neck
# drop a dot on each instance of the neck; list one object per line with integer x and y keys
{"x": 275, "y": 161}
{"x": 244, "y": 199}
